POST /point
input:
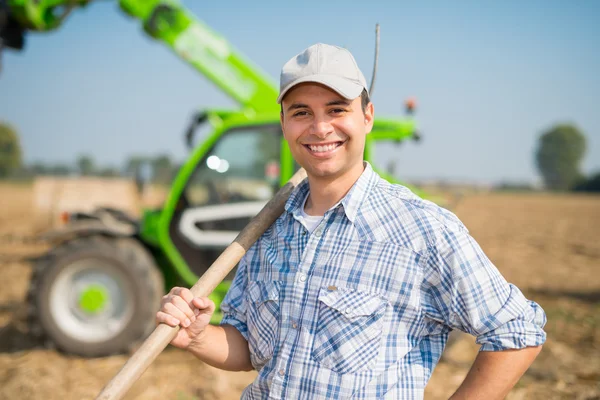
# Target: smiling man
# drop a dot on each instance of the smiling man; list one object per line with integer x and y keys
{"x": 353, "y": 291}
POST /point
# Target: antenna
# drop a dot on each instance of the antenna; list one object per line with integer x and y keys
{"x": 376, "y": 59}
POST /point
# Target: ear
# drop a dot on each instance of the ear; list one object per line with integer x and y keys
{"x": 281, "y": 121}
{"x": 369, "y": 117}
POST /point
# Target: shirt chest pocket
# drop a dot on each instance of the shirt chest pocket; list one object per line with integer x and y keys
{"x": 349, "y": 328}
{"x": 263, "y": 321}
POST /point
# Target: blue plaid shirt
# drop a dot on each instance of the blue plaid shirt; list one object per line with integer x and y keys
{"x": 361, "y": 307}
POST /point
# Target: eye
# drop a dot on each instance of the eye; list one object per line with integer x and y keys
{"x": 300, "y": 113}
{"x": 337, "y": 110}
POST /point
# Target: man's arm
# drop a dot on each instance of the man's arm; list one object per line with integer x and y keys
{"x": 468, "y": 293}
{"x": 494, "y": 373}
{"x": 223, "y": 347}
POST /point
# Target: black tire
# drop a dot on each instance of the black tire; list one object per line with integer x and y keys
{"x": 122, "y": 267}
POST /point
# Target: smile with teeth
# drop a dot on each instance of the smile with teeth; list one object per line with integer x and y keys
{"x": 324, "y": 148}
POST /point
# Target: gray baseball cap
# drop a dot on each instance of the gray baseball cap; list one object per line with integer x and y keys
{"x": 332, "y": 66}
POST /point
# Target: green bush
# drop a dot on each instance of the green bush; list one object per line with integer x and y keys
{"x": 591, "y": 184}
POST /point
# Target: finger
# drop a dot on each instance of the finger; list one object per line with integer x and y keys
{"x": 175, "y": 312}
{"x": 164, "y": 318}
{"x": 175, "y": 291}
{"x": 204, "y": 304}
{"x": 187, "y": 295}
{"x": 183, "y": 305}
{"x": 172, "y": 293}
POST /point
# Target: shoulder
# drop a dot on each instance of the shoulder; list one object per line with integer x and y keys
{"x": 393, "y": 213}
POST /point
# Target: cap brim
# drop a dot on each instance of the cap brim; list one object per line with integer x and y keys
{"x": 344, "y": 87}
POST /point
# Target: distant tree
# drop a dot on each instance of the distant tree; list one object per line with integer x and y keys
{"x": 59, "y": 170}
{"x": 109, "y": 172}
{"x": 39, "y": 168}
{"x": 515, "y": 186}
{"x": 591, "y": 184}
{"x": 10, "y": 150}
{"x": 133, "y": 165}
{"x": 86, "y": 165}
{"x": 558, "y": 156}
{"x": 162, "y": 168}
{"x": 23, "y": 173}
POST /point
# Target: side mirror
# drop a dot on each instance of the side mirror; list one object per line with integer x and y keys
{"x": 197, "y": 120}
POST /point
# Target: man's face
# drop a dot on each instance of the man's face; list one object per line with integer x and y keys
{"x": 325, "y": 132}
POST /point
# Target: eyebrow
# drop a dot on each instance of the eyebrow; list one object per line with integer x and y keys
{"x": 296, "y": 106}
{"x": 340, "y": 102}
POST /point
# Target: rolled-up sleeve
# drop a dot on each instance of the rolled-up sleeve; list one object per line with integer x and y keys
{"x": 471, "y": 295}
{"x": 234, "y": 305}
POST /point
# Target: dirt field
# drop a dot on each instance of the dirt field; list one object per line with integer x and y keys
{"x": 548, "y": 245}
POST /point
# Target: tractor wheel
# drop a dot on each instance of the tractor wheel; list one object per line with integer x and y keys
{"x": 95, "y": 296}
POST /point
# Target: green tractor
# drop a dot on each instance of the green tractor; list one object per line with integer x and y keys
{"x": 97, "y": 290}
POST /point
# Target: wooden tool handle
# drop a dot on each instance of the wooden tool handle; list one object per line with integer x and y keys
{"x": 163, "y": 334}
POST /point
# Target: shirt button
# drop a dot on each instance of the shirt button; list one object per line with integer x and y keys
{"x": 294, "y": 325}
{"x": 302, "y": 278}
{"x": 348, "y": 310}
{"x": 282, "y": 372}
{"x": 318, "y": 232}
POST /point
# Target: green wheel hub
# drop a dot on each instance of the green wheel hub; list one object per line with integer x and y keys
{"x": 93, "y": 299}
{"x": 90, "y": 300}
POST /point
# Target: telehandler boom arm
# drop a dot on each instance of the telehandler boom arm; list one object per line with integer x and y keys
{"x": 166, "y": 21}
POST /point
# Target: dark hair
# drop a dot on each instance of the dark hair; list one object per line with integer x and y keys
{"x": 364, "y": 101}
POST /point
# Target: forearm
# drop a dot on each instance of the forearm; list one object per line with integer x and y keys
{"x": 223, "y": 347}
{"x": 494, "y": 373}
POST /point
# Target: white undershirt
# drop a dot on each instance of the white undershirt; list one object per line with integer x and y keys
{"x": 310, "y": 222}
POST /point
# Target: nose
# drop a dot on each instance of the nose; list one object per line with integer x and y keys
{"x": 321, "y": 127}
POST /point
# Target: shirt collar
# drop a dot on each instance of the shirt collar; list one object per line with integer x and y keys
{"x": 351, "y": 202}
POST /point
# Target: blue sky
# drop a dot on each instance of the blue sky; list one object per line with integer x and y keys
{"x": 489, "y": 78}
